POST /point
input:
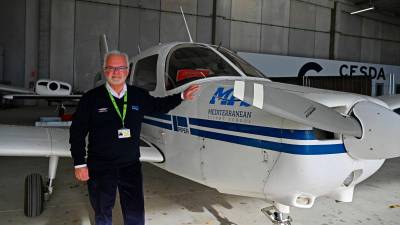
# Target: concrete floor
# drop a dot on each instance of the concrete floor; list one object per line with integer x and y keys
{"x": 172, "y": 200}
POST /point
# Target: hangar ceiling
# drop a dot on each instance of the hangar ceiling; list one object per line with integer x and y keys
{"x": 384, "y": 6}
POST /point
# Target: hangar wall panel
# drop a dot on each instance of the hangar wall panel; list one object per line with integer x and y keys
{"x": 245, "y": 36}
{"x": 147, "y": 4}
{"x": 350, "y": 24}
{"x": 12, "y": 38}
{"x": 204, "y": 7}
{"x": 249, "y": 10}
{"x": 321, "y": 48}
{"x": 367, "y": 37}
{"x": 276, "y": 12}
{"x": 371, "y": 28}
{"x": 203, "y": 31}
{"x": 274, "y": 39}
{"x": 323, "y": 19}
{"x": 348, "y": 48}
{"x": 224, "y": 8}
{"x": 390, "y": 32}
{"x": 44, "y": 39}
{"x": 285, "y": 27}
{"x": 1, "y": 63}
{"x": 129, "y": 35}
{"x": 223, "y": 32}
{"x": 370, "y": 50}
{"x": 90, "y": 22}
{"x": 301, "y": 43}
{"x": 149, "y": 29}
{"x": 31, "y": 40}
{"x": 302, "y": 15}
{"x": 390, "y": 53}
{"x": 62, "y": 40}
{"x": 172, "y": 27}
{"x": 189, "y": 7}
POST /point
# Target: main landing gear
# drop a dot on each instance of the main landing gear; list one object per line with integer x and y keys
{"x": 35, "y": 190}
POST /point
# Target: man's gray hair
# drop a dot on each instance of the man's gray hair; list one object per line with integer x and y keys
{"x": 115, "y": 52}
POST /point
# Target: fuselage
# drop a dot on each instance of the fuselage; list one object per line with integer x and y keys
{"x": 227, "y": 144}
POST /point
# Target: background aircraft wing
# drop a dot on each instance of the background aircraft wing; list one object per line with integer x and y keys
{"x": 46, "y": 97}
{"x": 13, "y": 89}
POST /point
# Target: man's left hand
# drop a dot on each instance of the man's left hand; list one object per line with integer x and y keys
{"x": 189, "y": 93}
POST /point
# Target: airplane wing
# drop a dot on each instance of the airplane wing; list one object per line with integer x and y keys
{"x": 45, "y": 142}
{"x": 46, "y": 97}
{"x": 393, "y": 101}
{"x": 13, "y": 89}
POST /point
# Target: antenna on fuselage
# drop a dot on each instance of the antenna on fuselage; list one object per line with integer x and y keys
{"x": 138, "y": 48}
{"x": 219, "y": 45}
{"x": 187, "y": 28}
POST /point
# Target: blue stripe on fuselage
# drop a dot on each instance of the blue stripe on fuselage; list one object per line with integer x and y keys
{"x": 280, "y": 147}
{"x": 251, "y": 129}
{"x": 158, "y": 124}
{"x": 258, "y": 130}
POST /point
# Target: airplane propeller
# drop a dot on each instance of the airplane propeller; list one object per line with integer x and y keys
{"x": 294, "y": 107}
{"x": 370, "y": 133}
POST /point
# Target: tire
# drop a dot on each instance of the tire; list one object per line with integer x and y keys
{"x": 34, "y": 195}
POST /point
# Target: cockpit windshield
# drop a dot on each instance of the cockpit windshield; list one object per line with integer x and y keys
{"x": 248, "y": 69}
{"x": 188, "y": 63}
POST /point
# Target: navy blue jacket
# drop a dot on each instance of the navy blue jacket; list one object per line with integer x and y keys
{"x": 97, "y": 117}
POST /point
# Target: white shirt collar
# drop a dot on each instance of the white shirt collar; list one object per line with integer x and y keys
{"x": 113, "y": 93}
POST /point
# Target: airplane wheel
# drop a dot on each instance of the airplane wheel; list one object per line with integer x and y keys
{"x": 34, "y": 195}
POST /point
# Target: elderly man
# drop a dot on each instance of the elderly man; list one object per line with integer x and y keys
{"x": 112, "y": 115}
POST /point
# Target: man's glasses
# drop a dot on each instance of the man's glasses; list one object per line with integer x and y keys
{"x": 115, "y": 69}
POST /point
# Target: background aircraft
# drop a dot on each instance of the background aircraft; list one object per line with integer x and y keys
{"x": 44, "y": 89}
{"x": 243, "y": 134}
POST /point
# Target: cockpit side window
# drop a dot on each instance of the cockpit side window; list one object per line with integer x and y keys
{"x": 145, "y": 75}
{"x": 186, "y": 64}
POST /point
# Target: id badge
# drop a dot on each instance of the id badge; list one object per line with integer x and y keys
{"x": 124, "y": 133}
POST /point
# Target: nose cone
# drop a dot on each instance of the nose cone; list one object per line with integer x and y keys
{"x": 380, "y": 133}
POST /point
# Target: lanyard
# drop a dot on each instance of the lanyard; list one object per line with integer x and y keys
{"x": 116, "y": 106}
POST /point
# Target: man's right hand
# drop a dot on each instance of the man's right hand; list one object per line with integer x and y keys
{"x": 82, "y": 173}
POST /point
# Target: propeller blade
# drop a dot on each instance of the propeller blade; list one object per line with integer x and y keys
{"x": 294, "y": 107}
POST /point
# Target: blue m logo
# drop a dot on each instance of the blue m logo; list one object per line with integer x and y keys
{"x": 226, "y": 97}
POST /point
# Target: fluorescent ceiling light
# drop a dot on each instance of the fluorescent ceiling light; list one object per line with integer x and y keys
{"x": 363, "y": 10}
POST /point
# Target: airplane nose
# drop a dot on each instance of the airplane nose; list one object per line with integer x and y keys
{"x": 380, "y": 132}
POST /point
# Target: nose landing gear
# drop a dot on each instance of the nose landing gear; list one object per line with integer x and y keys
{"x": 276, "y": 216}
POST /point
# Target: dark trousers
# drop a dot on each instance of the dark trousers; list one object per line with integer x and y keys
{"x": 102, "y": 186}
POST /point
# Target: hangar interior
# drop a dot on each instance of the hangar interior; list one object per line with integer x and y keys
{"x": 59, "y": 40}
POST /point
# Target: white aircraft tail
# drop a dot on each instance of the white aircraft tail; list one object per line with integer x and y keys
{"x": 103, "y": 46}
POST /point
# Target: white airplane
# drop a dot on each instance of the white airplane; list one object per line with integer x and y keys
{"x": 44, "y": 89}
{"x": 243, "y": 134}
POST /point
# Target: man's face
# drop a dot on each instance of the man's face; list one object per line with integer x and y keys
{"x": 116, "y": 69}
